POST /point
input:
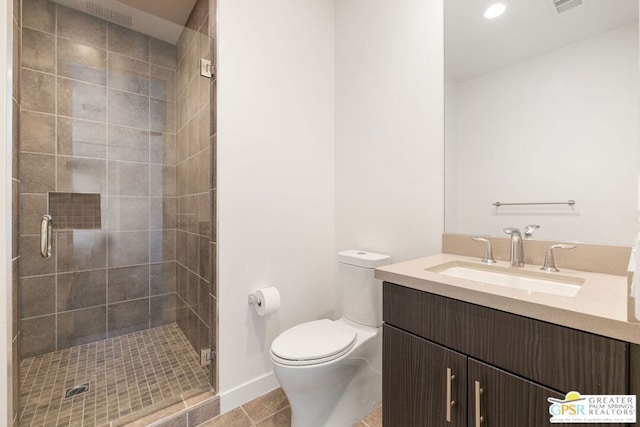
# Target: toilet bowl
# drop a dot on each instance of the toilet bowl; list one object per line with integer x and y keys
{"x": 331, "y": 370}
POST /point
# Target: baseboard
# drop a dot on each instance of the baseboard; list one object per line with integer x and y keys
{"x": 248, "y": 391}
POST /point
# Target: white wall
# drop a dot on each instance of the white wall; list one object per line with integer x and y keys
{"x": 322, "y": 146}
{"x": 6, "y": 359}
{"x": 450, "y": 155}
{"x": 389, "y": 126}
{"x": 275, "y": 178}
{"x": 559, "y": 126}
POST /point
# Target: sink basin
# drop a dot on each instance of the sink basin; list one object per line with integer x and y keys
{"x": 530, "y": 281}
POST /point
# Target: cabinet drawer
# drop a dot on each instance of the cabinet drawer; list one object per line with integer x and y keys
{"x": 562, "y": 358}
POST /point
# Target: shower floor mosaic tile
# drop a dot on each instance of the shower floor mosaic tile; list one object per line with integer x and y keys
{"x": 126, "y": 374}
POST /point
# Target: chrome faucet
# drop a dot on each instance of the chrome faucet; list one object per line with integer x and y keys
{"x": 517, "y": 248}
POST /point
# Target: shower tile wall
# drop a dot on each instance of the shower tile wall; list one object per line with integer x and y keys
{"x": 98, "y": 116}
{"x": 15, "y": 185}
{"x": 193, "y": 180}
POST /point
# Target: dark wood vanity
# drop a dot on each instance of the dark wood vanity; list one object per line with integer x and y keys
{"x": 452, "y": 363}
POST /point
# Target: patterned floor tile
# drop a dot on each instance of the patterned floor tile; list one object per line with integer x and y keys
{"x": 126, "y": 374}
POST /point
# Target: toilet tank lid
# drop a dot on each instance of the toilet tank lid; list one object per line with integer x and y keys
{"x": 363, "y": 258}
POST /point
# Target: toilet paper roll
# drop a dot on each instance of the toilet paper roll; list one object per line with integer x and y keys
{"x": 269, "y": 301}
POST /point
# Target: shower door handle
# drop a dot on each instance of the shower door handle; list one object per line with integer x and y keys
{"x": 46, "y": 232}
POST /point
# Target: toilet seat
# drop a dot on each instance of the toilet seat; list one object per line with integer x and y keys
{"x": 312, "y": 343}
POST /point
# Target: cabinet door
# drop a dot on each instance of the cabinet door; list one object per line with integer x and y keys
{"x": 505, "y": 400}
{"x": 419, "y": 381}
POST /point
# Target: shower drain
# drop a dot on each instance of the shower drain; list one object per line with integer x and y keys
{"x": 74, "y": 391}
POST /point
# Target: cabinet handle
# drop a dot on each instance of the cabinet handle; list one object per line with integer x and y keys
{"x": 46, "y": 231}
{"x": 478, "y": 392}
{"x": 450, "y": 403}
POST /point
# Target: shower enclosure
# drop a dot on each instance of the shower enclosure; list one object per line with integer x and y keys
{"x": 114, "y": 142}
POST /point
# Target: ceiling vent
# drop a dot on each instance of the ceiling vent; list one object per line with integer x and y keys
{"x": 108, "y": 14}
{"x": 127, "y": 16}
{"x": 564, "y": 5}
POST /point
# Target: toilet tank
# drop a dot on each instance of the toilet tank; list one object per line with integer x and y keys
{"x": 361, "y": 292}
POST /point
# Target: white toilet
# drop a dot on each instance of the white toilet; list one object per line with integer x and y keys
{"x": 331, "y": 371}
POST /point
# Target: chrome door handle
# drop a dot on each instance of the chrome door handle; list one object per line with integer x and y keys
{"x": 450, "y": 403}
{"x": 478, "y": 392}
{"x": 46, "y": 232}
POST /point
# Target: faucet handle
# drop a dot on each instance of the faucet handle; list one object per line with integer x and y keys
{"x": 488, "y": 253}
{"x": 529, "y": 229}
{"x": 511, "y": 230}
{"x": 562, "y": 246}
{"x": 549, "y": 259}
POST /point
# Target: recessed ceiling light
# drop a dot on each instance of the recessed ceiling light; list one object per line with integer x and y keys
{"x": 494, "y": 10}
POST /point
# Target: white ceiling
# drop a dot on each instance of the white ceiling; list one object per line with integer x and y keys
{"x": 475, "y": 45}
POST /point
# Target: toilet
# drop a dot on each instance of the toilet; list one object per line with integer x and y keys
{"x": 331, "y": 370}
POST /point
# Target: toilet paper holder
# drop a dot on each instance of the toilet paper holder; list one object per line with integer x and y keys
{"x": 253, "y": 299}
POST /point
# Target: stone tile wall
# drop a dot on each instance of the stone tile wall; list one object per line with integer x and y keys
{"x": 194, "y": 181}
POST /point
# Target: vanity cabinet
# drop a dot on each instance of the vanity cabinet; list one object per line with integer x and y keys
{"x": 510, "y": 364}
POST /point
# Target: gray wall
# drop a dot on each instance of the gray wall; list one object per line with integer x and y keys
{"x": 98, "y": 115}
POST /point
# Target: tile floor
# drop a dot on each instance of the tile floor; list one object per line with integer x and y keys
{"x": 272, "y": 410}
{"x": 127, "y": 374}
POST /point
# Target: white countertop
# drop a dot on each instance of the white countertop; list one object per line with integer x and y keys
{"x": 599, "y": 307}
